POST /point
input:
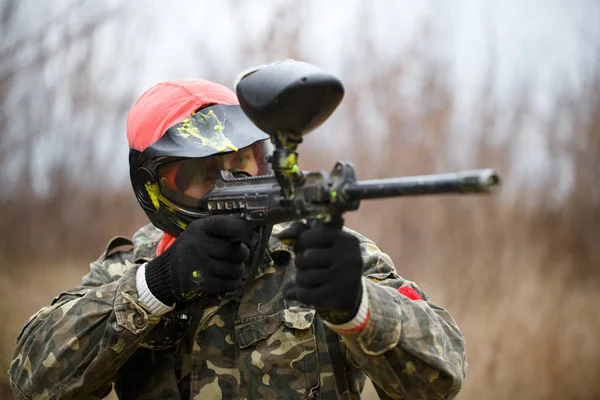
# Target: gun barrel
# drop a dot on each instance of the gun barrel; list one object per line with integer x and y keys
{"x": 473, "y": 181}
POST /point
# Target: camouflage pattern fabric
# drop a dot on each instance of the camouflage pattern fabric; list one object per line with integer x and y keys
{"x": 254, "y": 347}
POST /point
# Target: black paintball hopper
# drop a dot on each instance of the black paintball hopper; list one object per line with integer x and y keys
{"x": 289, "y": 96}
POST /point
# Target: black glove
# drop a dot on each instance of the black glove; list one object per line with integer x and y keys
{"x": 207, "y": 258}
{"x": 329, "y": 271}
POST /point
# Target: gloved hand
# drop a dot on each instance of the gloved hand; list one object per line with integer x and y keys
{"x": 329, "y": 271}
{"x": 207, "y": 258}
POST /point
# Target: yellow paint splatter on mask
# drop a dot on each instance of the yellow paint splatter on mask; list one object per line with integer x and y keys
{"x": 152, "y": 189}
{"x": 181, "y": 224}
{"x": 210, "y": 122}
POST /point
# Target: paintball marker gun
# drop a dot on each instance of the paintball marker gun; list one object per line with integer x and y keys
{"x": 287, "y": 100}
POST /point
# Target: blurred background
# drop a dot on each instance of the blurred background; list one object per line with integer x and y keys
{"x": 431, "y": 86}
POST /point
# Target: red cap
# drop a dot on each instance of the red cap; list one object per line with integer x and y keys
{"x": 167, "y": 104}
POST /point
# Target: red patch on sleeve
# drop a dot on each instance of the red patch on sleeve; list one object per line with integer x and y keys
{"x": 409, "y": 292}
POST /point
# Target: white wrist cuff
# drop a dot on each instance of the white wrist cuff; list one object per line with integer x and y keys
{"x": 145, "y": 296}
{"x": 361, "y": 314}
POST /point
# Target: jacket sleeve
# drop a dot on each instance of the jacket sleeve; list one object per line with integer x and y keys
{"x": 72, "y": 348}
{"x": 410, "y": 349}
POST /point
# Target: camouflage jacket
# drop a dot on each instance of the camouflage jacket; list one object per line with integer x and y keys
{"x": 257, "y": 346}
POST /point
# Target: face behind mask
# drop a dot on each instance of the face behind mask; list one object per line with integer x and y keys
{"x": 186, "y": 181}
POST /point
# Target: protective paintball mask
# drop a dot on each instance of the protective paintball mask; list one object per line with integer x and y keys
{"x": 171, "y": 176}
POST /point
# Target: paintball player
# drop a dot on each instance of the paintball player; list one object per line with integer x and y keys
{"x": 211, "y": 307}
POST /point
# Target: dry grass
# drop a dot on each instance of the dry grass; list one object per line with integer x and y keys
{"x": 25, "y": 290}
